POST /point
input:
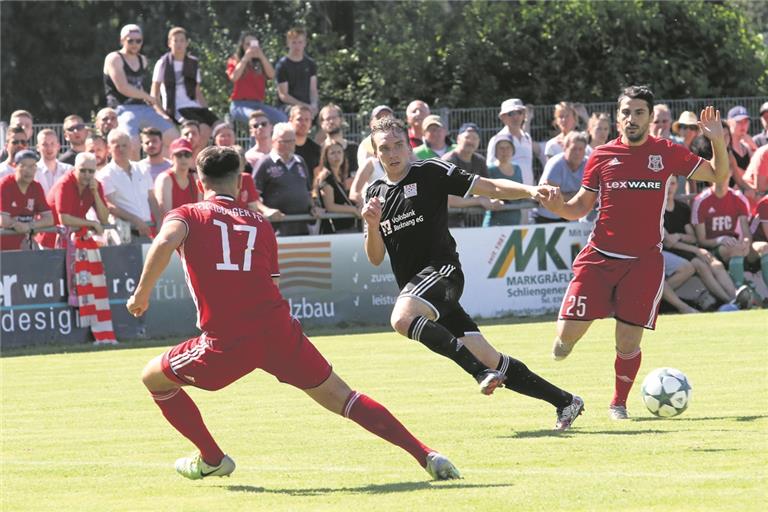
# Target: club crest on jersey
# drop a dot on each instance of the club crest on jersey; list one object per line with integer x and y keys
{"x": 410, "y": 190}
{"x": 30, "y": 203}
{"x": 655, "y": 163}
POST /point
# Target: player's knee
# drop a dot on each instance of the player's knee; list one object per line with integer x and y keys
{"x": 401, "y": 322}
{"x": 152, "y": 375}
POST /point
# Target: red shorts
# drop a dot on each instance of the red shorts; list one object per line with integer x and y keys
{"x": 628, "y": 289}
{"x": 275, "y": 343}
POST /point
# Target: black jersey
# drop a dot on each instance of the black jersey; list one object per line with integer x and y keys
{"x": 414, "y": 218}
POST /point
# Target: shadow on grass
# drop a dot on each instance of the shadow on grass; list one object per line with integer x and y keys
{"x": 532, "y": 434}
{"x": 706, "y": 418}
{"x": 713, "y": 449}
{"x": 366, "y": 489}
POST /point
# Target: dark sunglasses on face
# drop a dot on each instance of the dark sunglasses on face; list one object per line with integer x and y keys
{"x": 135, "y": 41}
{"x": 689, "y": 127}
{"x": 75, "y": 128}
{"x": 87, "y": 170}
{"x": 260, "y": 125}
{"x": 183, "y": 154}
{"x": 19, "y": 143}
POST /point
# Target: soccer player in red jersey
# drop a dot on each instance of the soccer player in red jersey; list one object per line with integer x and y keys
{"x": 22, "y": 202}
{"x": 620, "y": 272}
{"x": 229, "y": 252}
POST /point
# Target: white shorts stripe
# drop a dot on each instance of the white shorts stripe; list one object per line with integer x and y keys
{"x": 350, "y": 403}
{"x": 655, "y": 304}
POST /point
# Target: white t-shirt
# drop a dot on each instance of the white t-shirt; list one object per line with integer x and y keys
{"x": 182, "y": 99}
{"x": 523, "y": 157}
{"x": 47, "y": 178}
{"x": 553, "y": 148}
{"x": 131, "y": 192}
{"x": 6, "y": 169}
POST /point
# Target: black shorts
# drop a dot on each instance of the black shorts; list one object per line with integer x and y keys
{"x": 440, "y": 288}
{"x": 201, "y": 115}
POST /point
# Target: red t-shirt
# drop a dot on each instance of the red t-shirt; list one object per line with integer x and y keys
{"x": 65, "y": 197}
{"x": 20, "y": 205}
{"x": 229, "y": 257}
{"x": 720, "y": 215}
{"x": 631, "y": 185}
{"x": 250, "y": 86}
{"x": 760, "y": 221}
{"x": 181, "y": 196}
{"x": 248, "y": 192}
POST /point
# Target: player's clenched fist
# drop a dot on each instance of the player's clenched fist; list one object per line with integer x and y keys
{"x": 372, "y": 211}
{"x": 137, "y": 306}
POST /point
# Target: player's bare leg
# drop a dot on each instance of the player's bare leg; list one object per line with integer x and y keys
{"x": 626, "y": 366}
{"x": 182, "y": 413}
{"x": 415, "y": 319}
{"x": 568, "y": 333}
{"x": 335, "y": 395}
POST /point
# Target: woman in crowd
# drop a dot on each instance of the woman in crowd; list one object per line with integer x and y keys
{"x": 177, "y": 186}
{"x": 598, "y": 127}
{"x": 249, "y": 70}
{"x": 504, "y": 168}
{"x": 565, "y": 121}
{"x": 330, "y": 192}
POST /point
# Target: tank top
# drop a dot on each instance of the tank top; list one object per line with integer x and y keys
{"x": 134, "y": 78}
{"x": 180, "y": 196}
{"x": 742, "y": 160}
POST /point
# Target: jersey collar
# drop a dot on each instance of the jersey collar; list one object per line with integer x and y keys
{"x": 405, "y": 175}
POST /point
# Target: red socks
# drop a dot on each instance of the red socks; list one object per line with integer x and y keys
{"x": 181, "y": 412}
{"x": 375, "y": 418}
{"x": 626, "y": 367}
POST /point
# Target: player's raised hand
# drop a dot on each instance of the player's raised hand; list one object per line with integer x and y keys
{"x": 137, "y": 306}
{"x": 710, "y": 124}
{"x": 372, "y": 211}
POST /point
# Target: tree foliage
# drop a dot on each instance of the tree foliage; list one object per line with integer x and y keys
{"x": 450, "y": 53}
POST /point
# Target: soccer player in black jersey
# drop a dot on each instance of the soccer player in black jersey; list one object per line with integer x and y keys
{"x": 406, "y": 215}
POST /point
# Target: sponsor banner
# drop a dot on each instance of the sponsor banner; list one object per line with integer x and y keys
{"x": 518, "y": 270}
{"x": 33, "y": 296}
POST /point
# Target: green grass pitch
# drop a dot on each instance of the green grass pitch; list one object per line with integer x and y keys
{"x": 80, "y": 433}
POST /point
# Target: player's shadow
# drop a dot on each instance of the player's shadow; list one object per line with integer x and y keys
{"x": 705, "y": 418}
{"x": 366, "y": 489}
{"x": 532, "y": 434}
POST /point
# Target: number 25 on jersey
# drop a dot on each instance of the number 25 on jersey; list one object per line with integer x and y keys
{"x": 576, "y": 305}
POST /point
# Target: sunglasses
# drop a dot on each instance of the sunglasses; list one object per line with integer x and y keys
{"x": 183, "y": 154}
{"x": 87, "y": 170}
{"x": 75, "y": 128}
{"x": 19, "y": 143}
{"x": 134, "y": 41}
{"x": 689, "y": 127}
{"x": 260, "y": 125}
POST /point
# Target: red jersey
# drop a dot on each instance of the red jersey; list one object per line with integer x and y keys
{"x": 181, "y": 196}
{"x": 631, "y": 184}
{"x": 720, "y": 215}
{"x": 23, "y": 206}
{"x": 250, "y": 86}
{"x": 229, "y": 258}
{"x": 760, "y": 221}
{"x": 248, "y": 192}
{"x": 65, "y": 197}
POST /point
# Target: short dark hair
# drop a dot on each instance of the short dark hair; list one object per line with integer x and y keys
{"x": 386, "y": 125}
{"x": 637, "y": 92}
{"x": 258, "y": 113}
{"x": 217, "y": 164}
{"x": 12, "y": 130}
{"x": 151, "y": 131}
{"x": 191, "y": 122}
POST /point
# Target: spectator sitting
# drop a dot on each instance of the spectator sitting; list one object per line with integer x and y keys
{"x": 513, "y": 115}
{"x": 415, "y": 114}
{"x": 224, "y": 135}
{"x": 759, "y": 228}
{"x": 297, "y": 74}
{"x": 465, "y": 155}
{"x": 176, "y": 84}
{"x": 97, "y": 144}
{"x": 598, "y": 128}
{"x": 301, "y": 120}
{"x": 15, "y": 142}
{"x": 73, "y": 196}
{"x": 686, "y": 128}
{"x": 756, "y": 176}
{"x": 284, "y": 180}
{"x": 19, "y": 118}
{"x": 434, "y": 145}
{"x": 154, "y": 163}
{"x": 75, "y": 132}
{"x": 249, "y": 70}
{"x": 504, "y": 168}
{"x": 177, "y": 186}
{"x": 49, "y": 170}
{"x": 190, "y": 130}
{"x": 22, "y": 200}
{"x": 564, "y": 170}
{"x": 105, "y": 122}
{"x": 330, "y": 191}
{"x": 124, "y": 73}
{"x": 128, "y": 190}
{"x": 260, "y": 129}
{"x": 565, "y": 121}
{"x": 677, "y": 271}
{"x": 742, "y": 146}
{"x": 662, "y": 122}
{"x": 331, "y": 123}
{"x": 365, "y": 150}
{"x": 761, "y": 139}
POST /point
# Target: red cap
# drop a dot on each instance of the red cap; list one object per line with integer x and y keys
{"x": 180, "y": 144}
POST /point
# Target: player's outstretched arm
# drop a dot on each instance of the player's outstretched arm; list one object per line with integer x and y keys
{"x": 716, "y": 170}
{"x": 171, "y": 236}
{"x": 576, "y": 207}
{"x": 507, "y": 189}
{"x": 374, "y": 243}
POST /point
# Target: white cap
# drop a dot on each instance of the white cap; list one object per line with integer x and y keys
{"x": 511, "y": 105}
{"x": 128, "y": 29}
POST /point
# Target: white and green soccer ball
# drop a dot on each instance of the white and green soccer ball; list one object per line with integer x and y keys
{"x": 666, "y": 392}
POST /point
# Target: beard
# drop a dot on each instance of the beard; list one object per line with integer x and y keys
{"x": 638, "y": 136}
{"x": 334, "y": 131}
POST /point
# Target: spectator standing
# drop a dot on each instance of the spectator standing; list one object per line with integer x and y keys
{"x": 464, "y": 155}
{"x": 756, "y": 175}
{"x": 190, "y": 130}
{"x": 75, "y": 132}
{"x": 260, "y": 129}
{"x": 97, "y": 144}
{"x": 365, "y": 150}
{"x": 249, "y": 70}
{"x": 154, "y": 163}
{"x": 330, "y": 192}
{"x": 176, "y": 84}
{"x": 598, "y": 128}
{"x": 224, "y": 135}
{"x": 19, "y": 118}
{"x": 297, "y": 74}
{"x": 15, "y": 141}
{"x": 434, "y": 145}
{"x": 177, "y": 186}
{"x": 504, "y": 168}
{"x": 742, "y": 146}
{"x": 566, "y": 171}
{"x": 128, "y": 190}
{"x": 49, "y": 169}
{"x": 513, "y": 115}
{"x": 23, "y": 207}
{"x": 125, "y": 71}
{"x": 761, "y": 139}
{"x": 105, "y": 122}
{"x": 661, "y": 125}
{"x": 415, "y": 114}
{"x": 332, "y": 124}
{"x": 73, "y": 196}
{"x": 306, "y": 148}
{"x": 565, "y": 121}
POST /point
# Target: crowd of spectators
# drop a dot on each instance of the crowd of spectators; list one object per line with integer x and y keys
{"x": 299, "y": 161}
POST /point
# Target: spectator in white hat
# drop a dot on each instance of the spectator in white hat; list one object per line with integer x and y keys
{"x": 512, "y": 114}
{"x": 686, "y": 128}
{"x": 761, "y": 139}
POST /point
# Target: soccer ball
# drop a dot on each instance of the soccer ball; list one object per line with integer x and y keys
{"x": 666, "y": 392}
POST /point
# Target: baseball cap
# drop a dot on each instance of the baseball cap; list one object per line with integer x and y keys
{"x": 220, "y": 127}
{"x": 24, "y": 154}
{"x": 379, "y": 109}
{"x": 511, "y": 105}
{"x": 764, "y": 108}
{"x": 738, "y": 113}
{"x": 468, "y": 126}
{"x": 179, "y": 145}
{"x": 126, "y": 30}
{"x": 430, "y": 120}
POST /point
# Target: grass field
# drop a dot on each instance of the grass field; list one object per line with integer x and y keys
{"x": 80, "y": 433}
